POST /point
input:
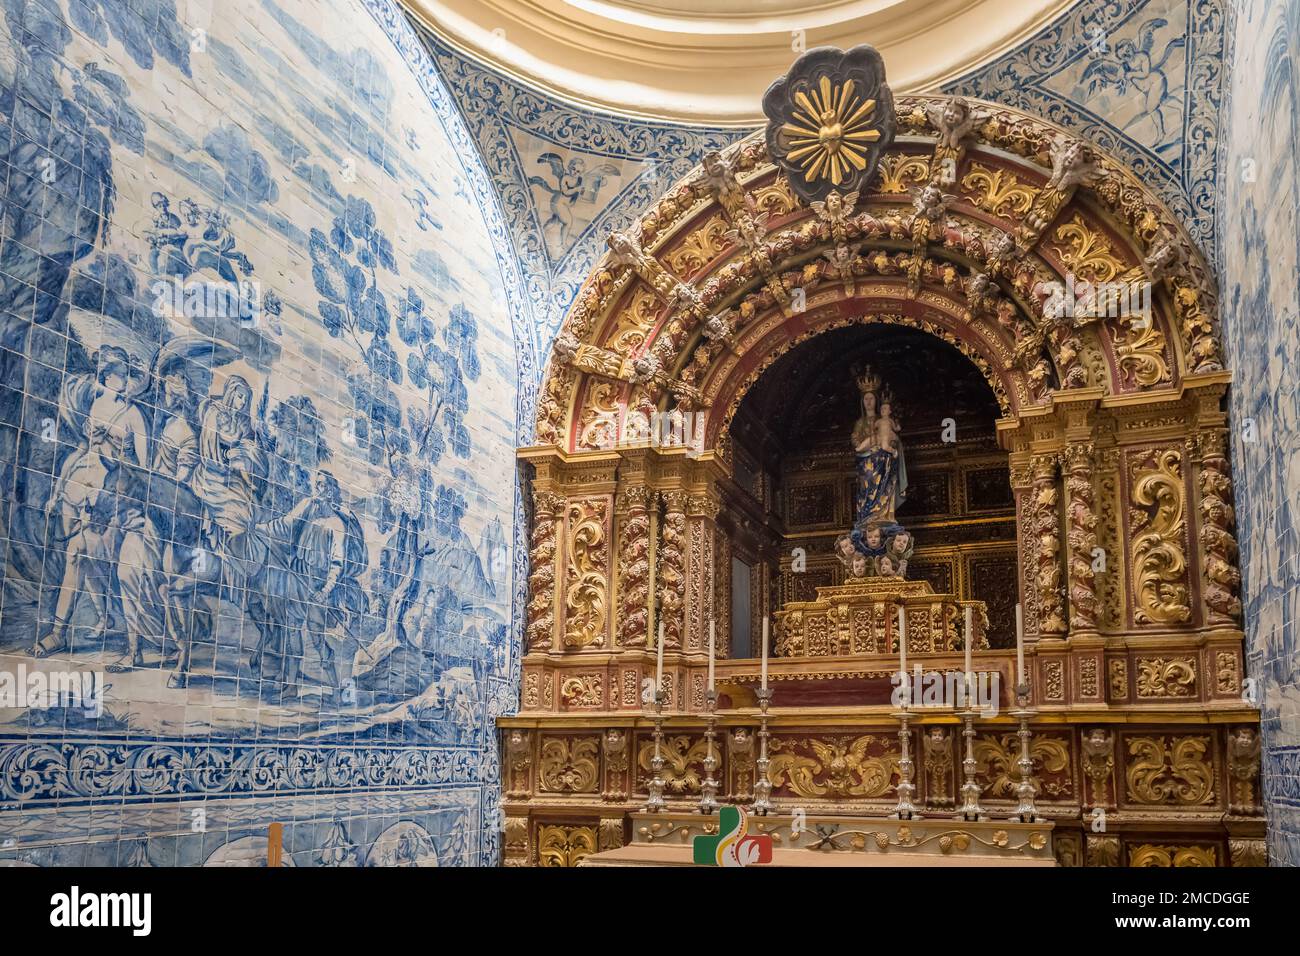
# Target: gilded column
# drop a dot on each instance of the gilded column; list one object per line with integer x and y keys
{"x": 633, "y": 515}
{"x": 722, "y": 590}
{"x": 1081, "y": 537}
{"x": 1222, "y": 576}
{"x": 1111, "y": 613}
{"x": 701, "y": 517}
{"x": 1047, "y": 528}
{"x": 548, "y": 507}
{"x": 1022, "y": 487}
{"x": 672, "y": 568}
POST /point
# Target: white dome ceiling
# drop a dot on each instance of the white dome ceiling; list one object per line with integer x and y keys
{"x": 709, "y": 61}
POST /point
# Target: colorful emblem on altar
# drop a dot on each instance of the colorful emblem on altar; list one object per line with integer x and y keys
{"x": 733, "y": 846}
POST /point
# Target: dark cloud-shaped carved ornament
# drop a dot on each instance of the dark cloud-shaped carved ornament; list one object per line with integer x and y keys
{"x": 829, "y": 120}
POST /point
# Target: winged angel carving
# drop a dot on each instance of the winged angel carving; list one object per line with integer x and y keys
{"x": 845, "y": 768}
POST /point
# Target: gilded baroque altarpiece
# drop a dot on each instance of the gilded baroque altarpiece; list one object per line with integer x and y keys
{"x": 1114, "y": 434}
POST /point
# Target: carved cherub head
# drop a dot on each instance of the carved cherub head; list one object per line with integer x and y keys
{"x": 955, "y": 111}
{"x": 566, "y": 346}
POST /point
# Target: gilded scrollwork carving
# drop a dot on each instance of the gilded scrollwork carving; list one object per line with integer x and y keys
{"x": 671, "y": 578}
{"x": 586, "y": 591}
{"x": 547, "y": 510}
{"x": 1102, "y": 850}
{"x": 1046, "y": 525}
{"x": 634, "y": 566}
{"x": 683, "y": 762}
{"x": 580, "y": 691}
{"x": 837, "y": 767}
{"x": 996, "y": 757}
{"x": 1166, "y": 677}
{"x": 1227, "y": 678}
{"x": 515, "y": 843}
{"x": 1166, "y": 769}
{"x": 998, "y": 191}
{"x": 1082, "y": 536}
{"x": 559, "y": 846}
{"x": 611, "y": 833}
{"x": 1108, "y": 529}
{"x": 1118, "y": 671}
{"x": 1141, "y": 353}
{"x": 1248, "y": 852}
{"x": 1151, "y": 854}
{"x": 1222, "y": 575}
{"x": 1167, "y": 254}
{"x": 1158, "y": 531}
{"x": 569, "y": 764}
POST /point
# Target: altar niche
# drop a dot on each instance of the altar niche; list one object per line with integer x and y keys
{"x": 795, "y": 450}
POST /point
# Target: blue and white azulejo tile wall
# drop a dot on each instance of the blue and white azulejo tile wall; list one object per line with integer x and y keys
{"x": 1259, "y": 262}
{"x": 258, "y": 410}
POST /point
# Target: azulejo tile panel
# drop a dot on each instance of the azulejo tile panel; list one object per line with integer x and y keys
{"x": 1259, "y": 259}
{"x": 1141, "y": 78}
{"x": 566, "y": 176}
{"x": 258, "y": 404}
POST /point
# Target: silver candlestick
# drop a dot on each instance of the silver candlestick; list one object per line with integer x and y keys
{"x": 762, "y": 786}
{"x": 655, "y": 802}
{"x": 970, "y": 789}
{"x": 906, "y": 808}
{"x": 1026, "y": 812}
{"x": 709, "y": 786}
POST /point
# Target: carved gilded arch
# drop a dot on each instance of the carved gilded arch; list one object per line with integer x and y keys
{"x": 966, "y": 241}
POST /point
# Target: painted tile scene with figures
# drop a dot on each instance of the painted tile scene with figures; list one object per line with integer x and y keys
{"x": 254, "y": 335}
{"x": 345, "y": 350}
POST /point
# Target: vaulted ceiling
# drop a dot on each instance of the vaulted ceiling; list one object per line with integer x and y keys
{"x": 709, "y": 61}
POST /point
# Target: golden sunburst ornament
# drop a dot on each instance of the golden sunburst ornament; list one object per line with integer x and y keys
{"x": 829, "y": 120}
{"x": 831, "y": 131}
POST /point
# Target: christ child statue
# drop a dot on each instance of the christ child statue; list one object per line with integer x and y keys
{"x": 887, "y": 427}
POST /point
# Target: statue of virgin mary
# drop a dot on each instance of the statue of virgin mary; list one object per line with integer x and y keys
{"x": 881, "y": 472}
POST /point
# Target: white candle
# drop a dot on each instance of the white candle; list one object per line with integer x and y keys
{"x": 1020, "y": 646}
{"x": 968, "y": 640}
{"x": 902, "y": 640}
{"x": 711, "y": 640}
{"x": 659, "y": 666}
{"x": 765, "y": 653}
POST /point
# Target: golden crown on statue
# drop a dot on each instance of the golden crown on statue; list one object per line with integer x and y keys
{"x": 868, "y": 381}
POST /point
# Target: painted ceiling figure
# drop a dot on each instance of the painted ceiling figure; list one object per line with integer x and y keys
{"x": 574, "y": 184}
{"x": 1131, "y": 64}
